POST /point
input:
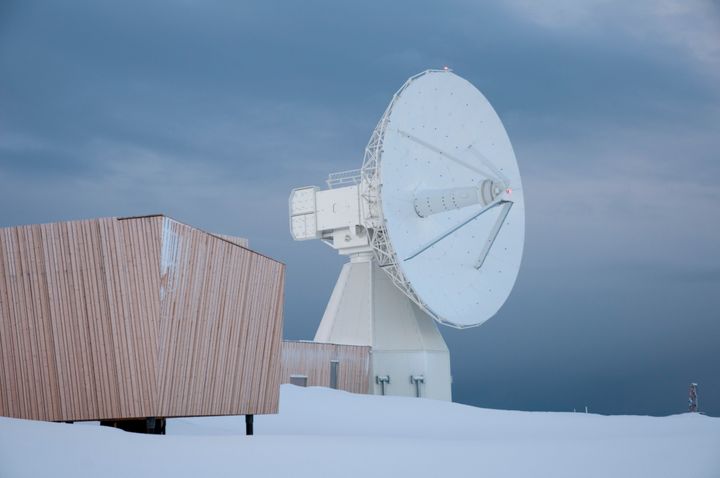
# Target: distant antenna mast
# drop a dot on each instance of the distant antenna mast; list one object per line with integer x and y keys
{"x": 693, "y": 398}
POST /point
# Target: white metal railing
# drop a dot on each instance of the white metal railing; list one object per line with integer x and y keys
{"x": 344, "y": 178}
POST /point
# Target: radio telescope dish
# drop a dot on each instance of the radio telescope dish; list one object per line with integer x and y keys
{"x": 433, "y": 225}
{"x": 445, "y": 199}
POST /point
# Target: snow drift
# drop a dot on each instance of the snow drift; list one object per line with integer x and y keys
{"x": 323, "y": 432}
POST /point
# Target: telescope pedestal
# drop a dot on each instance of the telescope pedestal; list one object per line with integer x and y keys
{"x": 367, "y": 309}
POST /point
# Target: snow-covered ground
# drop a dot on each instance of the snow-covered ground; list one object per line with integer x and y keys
{"x": 322, "y": 432}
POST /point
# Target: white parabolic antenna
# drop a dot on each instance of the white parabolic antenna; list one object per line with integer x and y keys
{"x": 443, "y": 175}
{"x": 437, "y": 206}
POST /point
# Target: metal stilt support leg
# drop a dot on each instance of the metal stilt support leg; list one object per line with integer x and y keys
{"x": 249, "y": 424}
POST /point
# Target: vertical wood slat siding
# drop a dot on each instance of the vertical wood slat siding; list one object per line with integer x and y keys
{"x": 312, "y": 359}
{"x": 105, "y": 319}
{"x": 208, "y": 283}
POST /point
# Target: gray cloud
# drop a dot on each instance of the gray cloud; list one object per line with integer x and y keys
{"x": 691, "y": 27}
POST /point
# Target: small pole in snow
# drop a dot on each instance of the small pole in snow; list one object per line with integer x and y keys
{"x": 586, "y": 409}
{"x": 693, "y": 398}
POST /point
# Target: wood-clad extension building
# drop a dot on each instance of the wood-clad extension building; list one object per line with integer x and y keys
{"x": 136, "y": 317}
{"x": 313, "y": 360}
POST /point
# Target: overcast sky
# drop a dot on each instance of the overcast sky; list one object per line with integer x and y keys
{"x": 211, "y": 111}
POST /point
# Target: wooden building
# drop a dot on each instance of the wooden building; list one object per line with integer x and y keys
{"x": 345, "y": 367}
{"x": 122, "y": 318}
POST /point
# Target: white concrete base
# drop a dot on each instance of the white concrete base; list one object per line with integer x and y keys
{"x": 367, "y": 309}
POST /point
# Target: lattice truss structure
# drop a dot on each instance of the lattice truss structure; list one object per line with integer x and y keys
{"x": 370, "y": 189}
